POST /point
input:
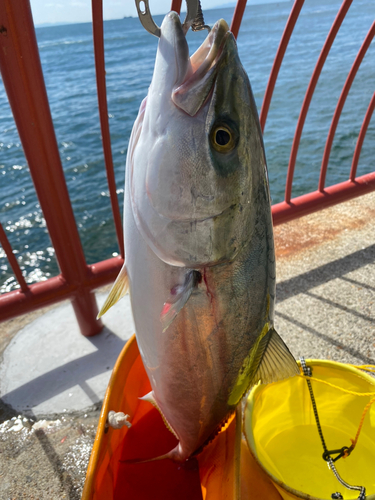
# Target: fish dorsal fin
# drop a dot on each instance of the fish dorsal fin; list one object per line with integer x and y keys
{"x": 179, "y": 296}
{"x": 276, "y": 362}
{"x": 150, "y": 398}
{"x": 118, "y": 290}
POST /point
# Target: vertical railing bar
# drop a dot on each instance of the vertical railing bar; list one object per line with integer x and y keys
{"x": 12, "y": 259}
{"x": 361, "y": 138}
{"x": 176, "y": 6}
{"x": 98, "y": 35}
{"x": 14, "y": 51}
{"x": 340, "y": 104}
{"x": 23, "y": 80}
{"x": 289, "y": 27}
{"x": 237, "y": 17}
{"x": 309, "y": 93}
{"x": 316, "y": 200}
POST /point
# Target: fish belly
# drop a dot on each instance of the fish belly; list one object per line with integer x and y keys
{"x": 194, "y": 364}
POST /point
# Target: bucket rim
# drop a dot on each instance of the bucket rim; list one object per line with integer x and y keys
{"x": 250, "y": 403}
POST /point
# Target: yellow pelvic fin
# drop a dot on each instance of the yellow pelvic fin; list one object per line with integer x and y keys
{"x": 151, "y": 399}
{"x": 118, "y": 290}
{"x": 268, "y": 361}
{"x": 276, "y": 362}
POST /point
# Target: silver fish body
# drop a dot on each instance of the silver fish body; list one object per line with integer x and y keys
{"x": 199, "y": 239}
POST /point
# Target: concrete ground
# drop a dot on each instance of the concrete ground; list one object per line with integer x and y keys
{"x": 325, "y": 298}
{"x": 55, "y": 379}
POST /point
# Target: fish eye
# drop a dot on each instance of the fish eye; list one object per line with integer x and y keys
{"x": 222, "y": 139}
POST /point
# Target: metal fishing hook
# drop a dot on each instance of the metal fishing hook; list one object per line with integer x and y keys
{"x": 194, "y": 17}
{"x": 198, "y": 23}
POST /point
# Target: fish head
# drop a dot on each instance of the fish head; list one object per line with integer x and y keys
{"x": 198, "y": 161}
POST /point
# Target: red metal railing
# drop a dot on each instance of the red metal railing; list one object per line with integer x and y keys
{"x": 340, "y": 105}
{"x": 361, "y": 138}
{"x": 289, "y": 27}
{"x": 325, "y": 196}
{"x": 23, "y": 79}
{"x": 22, "y": 75}
{"x": 98, "y": 34}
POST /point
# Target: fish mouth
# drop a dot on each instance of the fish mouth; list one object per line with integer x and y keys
{"x": 192, "y": 93}
{"x": 206, "y": 55}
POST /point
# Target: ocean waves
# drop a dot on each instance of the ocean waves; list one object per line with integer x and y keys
{"x": 68, "y": 64}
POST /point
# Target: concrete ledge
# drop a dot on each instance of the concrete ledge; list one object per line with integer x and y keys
{"x": 62, "y": 370}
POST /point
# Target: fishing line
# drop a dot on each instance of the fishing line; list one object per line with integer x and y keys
{"x": 342, "y": 452}
{"x": 348, "y": 391}
{"x": 368, "y": 368}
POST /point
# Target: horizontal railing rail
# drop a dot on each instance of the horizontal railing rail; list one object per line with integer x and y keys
{"x": 24, "y": 82}
{"x": 323, "y": 197}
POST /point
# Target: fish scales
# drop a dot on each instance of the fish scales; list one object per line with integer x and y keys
{"x": 200, "y": 259}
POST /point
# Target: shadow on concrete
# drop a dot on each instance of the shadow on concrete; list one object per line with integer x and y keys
{"x": 73, "y": 373}
{"x": 56, "y": 464}
{"x": 320, "y": 275}
{"x": 339, "y": 306}
{"x": 358, "y": 283}
{"x": 303, "y": 283}
{"x": 353, "y": 352}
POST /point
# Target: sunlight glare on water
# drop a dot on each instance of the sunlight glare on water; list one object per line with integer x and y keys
{"x": 68, "y": 64}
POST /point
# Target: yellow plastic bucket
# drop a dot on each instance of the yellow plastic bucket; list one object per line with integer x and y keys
{"x": 282, "y": 434}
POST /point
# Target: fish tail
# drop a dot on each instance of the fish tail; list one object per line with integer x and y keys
{"x": 220, "y": 462}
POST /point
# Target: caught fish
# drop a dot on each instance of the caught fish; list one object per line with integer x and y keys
{"x": 200, "y": 261}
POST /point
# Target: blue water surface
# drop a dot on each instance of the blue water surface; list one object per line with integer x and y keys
{"x": 68, "y": 63}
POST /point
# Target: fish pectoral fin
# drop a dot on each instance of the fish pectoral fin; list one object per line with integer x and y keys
{"x": 276, "y": 361}
{"x": 178, "y": 299}
{"x": 151, "y": 399}
{"x": 118, "y": 290}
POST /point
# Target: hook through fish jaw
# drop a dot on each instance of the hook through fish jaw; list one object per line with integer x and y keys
{"x": 194, "y": 17}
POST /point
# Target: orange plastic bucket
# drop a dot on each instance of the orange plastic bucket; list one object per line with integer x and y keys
{"x": 209, "y": 476}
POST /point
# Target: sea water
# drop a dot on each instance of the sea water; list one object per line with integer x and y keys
{"x": 68, "y": 63}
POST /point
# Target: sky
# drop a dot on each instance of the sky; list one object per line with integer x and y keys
{"x": 79, "y": 11}
{"x": 76, "y": 11}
